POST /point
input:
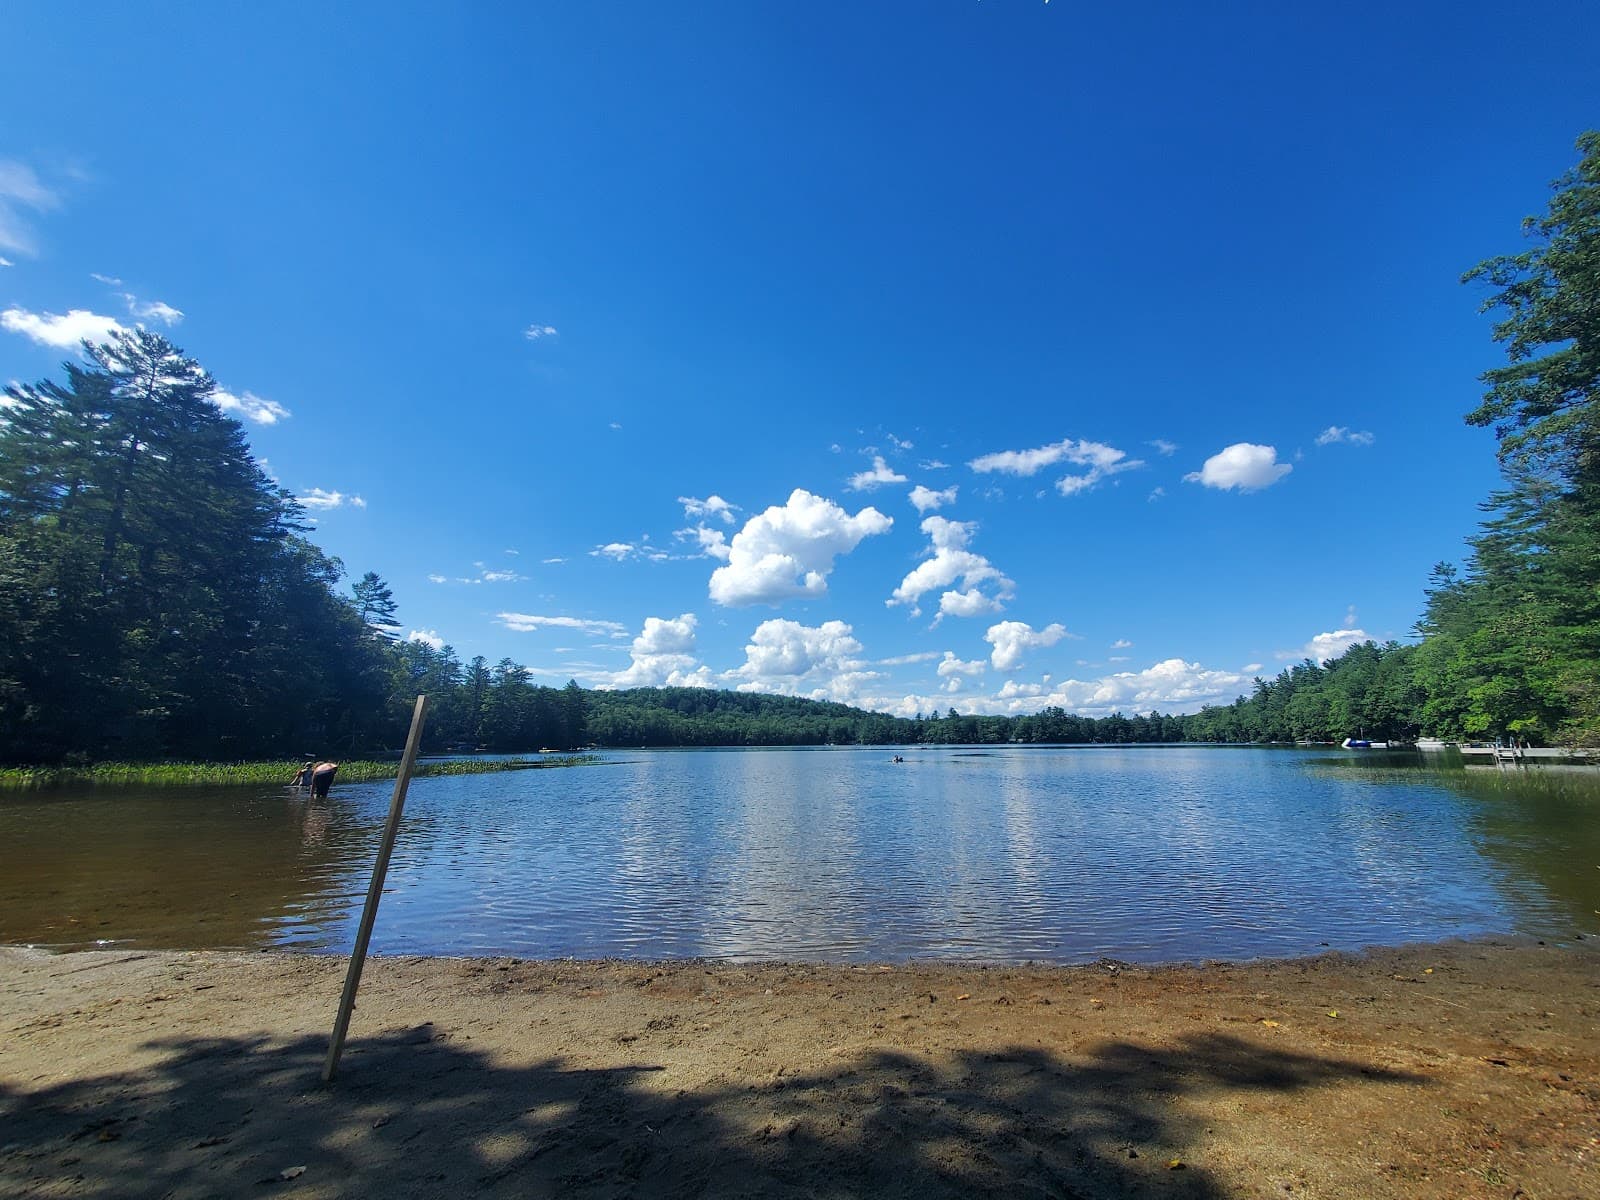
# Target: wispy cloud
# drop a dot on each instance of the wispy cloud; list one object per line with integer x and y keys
{"x": 485, "y": 575}
{"x": 21, "y": 192}
{"x": 1334, "y": 434}
{"x": 1164, "y": 447}
{"x": 153, "y": 310}
{"x": 535, "y": 332}
{"x": 323, "y": 500}
{"x": 712, "y": 506}
{"x": 528, "y": 623}
{"x": 901, "y": 660}
{"x": 713, "y": 543}
{"x": 250, "y": 407}
{"x": 1102, "y": 460}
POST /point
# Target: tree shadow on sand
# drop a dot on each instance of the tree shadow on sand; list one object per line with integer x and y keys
{"x": 418, "y": 1114}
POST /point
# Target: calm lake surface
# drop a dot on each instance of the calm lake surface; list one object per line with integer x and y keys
{"x": 991, "y": 854}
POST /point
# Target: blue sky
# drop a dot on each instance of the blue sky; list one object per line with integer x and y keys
{"x": 975, "y": 355}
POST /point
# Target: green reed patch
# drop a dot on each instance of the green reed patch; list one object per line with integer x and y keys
{"x": 115, "y": 774}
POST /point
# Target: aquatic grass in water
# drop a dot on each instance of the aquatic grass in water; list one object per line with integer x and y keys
{"x": 257, "y": 773}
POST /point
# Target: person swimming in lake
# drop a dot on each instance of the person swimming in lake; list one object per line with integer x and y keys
{"x": 302, "y": 777}
{"x": 322, "y": 777}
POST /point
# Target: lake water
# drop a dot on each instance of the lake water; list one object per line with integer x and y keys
{"x": 992, "y": 854}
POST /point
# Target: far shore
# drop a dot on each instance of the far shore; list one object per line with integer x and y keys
{"x": 1453, "y": 1070}
{"x": 268, "y": 772}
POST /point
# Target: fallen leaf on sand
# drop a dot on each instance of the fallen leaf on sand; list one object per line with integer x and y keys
{"x": 1270, "y": 1024}
{"x": 1333, "y": 1012}
{"x": 1175, "y": 1164}
{"x": 964, "y": 996}
{"x": 291, "y": 1173}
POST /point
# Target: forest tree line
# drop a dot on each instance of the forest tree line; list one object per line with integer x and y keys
{"x": 159, "y": 597}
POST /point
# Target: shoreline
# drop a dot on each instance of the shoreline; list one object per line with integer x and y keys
{"x": 1438, "y": 1069}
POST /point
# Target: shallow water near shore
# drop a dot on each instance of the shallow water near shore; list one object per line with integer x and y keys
{"x": 1001, "y": 854}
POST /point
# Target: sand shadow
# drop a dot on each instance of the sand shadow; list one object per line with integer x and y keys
{"x": 418, "y": 1114}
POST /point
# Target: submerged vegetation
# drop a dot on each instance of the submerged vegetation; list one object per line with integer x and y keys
{"x": 159, "y": 598}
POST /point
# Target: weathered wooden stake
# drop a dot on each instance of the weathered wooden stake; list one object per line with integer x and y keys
{"x": 369, "y": 914}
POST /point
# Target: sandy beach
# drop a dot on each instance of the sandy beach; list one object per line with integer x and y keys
{"x": 1447, "y": 1070}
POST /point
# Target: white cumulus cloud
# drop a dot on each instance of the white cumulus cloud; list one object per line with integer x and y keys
{"x": 789, "y": 551}
{"x": 428, "y": 637}
{"x": 1013, "y": 639}
{"x": 821, "y": 662}
{"x": 927, "y": 500}
{"x": 663, "y": 655}
{"x": 951, "y": 561}
{"x": 61, "y": 332}
{"x": 1243, "y": 465}
{"x": 880, "y": 474}
{"x": 1324, "y": 646}
{"x": 951, "y": 665}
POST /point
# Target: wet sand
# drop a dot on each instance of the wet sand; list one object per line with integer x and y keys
{"x": 1454, "y": 1070}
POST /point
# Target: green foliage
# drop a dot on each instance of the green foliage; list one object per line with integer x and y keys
{"x": 115, "y": 774}
{"x": 158, "y": 597}
{"x": 1369, "y": 691}
{"x": 375, "y": 605}
{"x": 1543, "y": 402}
{"x": 1513, "y": 646}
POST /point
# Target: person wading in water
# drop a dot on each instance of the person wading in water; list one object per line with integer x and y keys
{"x": 322, "y": 777}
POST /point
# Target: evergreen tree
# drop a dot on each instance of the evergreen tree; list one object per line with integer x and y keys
{"x": 159, "y": 598}
{"x": 375, "y": 605}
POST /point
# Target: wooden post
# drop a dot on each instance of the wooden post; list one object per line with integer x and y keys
{"x": 369, "y": 914}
